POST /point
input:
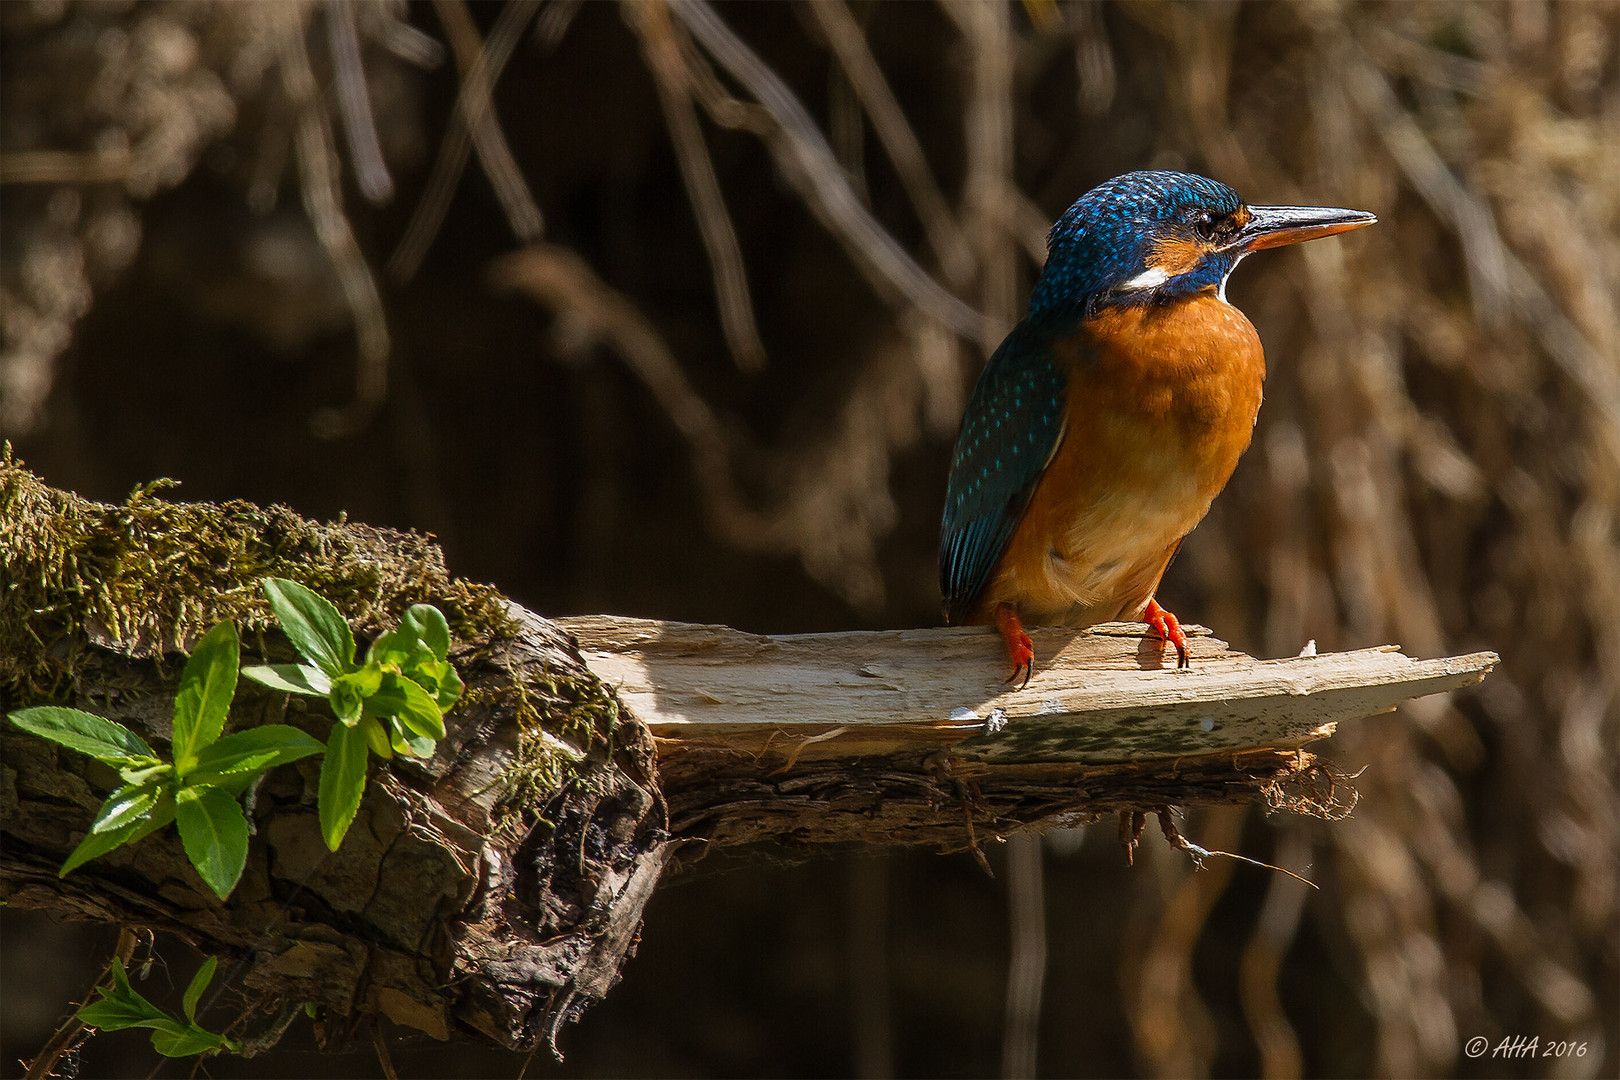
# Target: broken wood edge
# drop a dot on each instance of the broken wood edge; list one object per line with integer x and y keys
{"x": 746, "y": 756}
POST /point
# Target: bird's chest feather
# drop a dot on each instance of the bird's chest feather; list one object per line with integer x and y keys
{"x": 1164, "y": 401}
{"x": 1161, "y": 403}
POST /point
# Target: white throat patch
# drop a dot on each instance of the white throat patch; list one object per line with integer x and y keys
{"x": 1221, "y": 292}
{"x": 1150, "y": 278}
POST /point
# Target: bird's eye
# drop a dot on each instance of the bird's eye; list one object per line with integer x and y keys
{"x": 1204, "y": 224}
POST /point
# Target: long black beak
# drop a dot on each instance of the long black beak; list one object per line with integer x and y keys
{"x": 1274, "y": 226}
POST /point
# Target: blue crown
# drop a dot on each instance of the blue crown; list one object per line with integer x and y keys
{"x": 1103, "y": 240}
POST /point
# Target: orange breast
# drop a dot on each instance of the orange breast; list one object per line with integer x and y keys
{"x": 1161, "y": 404}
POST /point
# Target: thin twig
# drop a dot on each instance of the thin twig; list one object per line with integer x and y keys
{"x": 1026, "y": 970}
{"x": 66, "y": 166}
{"x": 871, "y": 1022}
{"x": 1167, "y": 825}
{"x": 403, "y": 40}
{"x": 1131, "y": 824}
{"x": 354, "y": 104}
{"x": 899, "y": 141}
{"x": 1274, "y": 933}
{"x": 457, "y": 143}
{"x": 987, "y": 29}
{"x": 384, "y": 1059}
{"x": 809, "y": 164}
{"x": 477, "y": 107}
{"x": 323, "y": 202}
{"x": 554, "y": 21}
{"x": 664, "y": 60}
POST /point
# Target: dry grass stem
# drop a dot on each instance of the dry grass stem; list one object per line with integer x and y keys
{"x": 354, "y": 103}
{"x": 807, "y": 162}
{"x": 665, "y": 62}
{"x": 899, "y": 141}
{"x": 473, "y": 124}
{"x": 323, "y": 202}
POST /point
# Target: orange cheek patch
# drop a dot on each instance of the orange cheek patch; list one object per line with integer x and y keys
{"x": 1176, "y": 256}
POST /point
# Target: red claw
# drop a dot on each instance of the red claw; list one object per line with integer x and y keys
{"x": 1168, "y": 627}
{"x": 1020, "y": 650}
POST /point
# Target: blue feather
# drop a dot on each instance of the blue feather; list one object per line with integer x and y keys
{"x": 1012, "y": 425}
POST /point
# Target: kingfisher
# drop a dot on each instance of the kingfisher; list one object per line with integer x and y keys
{"x": 1115, "y": 411}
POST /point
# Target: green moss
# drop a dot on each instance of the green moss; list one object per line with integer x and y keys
{"x": 561, "y": 718}
{"x": 148, "y": 576}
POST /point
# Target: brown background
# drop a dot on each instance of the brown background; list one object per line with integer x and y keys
{"x": 1437, "y": 464}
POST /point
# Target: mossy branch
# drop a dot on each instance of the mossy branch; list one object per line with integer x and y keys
{"x": 495, "y": 889}
{"x": 463, "y": 900}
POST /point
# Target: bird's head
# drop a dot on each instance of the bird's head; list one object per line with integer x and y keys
{"x": 1152, "y": 237}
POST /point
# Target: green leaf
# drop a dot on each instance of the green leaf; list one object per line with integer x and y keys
{"x": 199, "y": 983}
{"x": 343, "y": 782}
{"x": 95, "y": 845}
{"x": 252, "y": 751}
{"x": 215, "y": 833}
{"x": 207, "y": 686}
{"x": 376, "y": 737}
{"x": 88, "y": 734}
{"x": 438, "y": 678}
{"x": 413, "y": 706}
{"x": 290, "y": 678}
{"x": 417, "y": 746}
{"x": 121, "y": 986}
{"x": 181, "y": 1042}
{"x": 122, "y": 1007}
{"x": 137, "y": 777}
{"x": 422, "y": 635}
{"x": 124, "y": 807}
{"x": 432, "y": 628}
{"x": 117, "y": 1014}
{"x": 312, "y": 624}
{"x": 394, "y": 646}
{"x": 349, "y": 692}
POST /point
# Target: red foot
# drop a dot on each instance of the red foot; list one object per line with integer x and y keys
{"x": 1020, "y": 650}
{"x": 1169, "y": 630}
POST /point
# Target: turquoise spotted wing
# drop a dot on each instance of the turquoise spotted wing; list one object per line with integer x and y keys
{"x": 1011, "y": 427}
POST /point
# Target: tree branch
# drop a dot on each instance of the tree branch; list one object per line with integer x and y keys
{"x": 494, "y": 891}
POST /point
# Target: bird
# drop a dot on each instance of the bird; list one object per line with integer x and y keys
{"x": 1114, "y": 412}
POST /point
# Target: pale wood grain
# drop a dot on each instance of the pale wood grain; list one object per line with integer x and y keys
{"x": 1097, "y": 696}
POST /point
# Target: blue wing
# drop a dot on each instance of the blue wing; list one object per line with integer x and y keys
{"x": 1012, "y": 425}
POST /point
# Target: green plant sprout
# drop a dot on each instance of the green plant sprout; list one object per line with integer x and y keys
{"x": 394, "y": 703}
{"x": 121, "y": 1006}
{"x": 198, "y": 789}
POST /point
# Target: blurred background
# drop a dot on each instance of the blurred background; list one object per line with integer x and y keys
{"x": 671, "y": 311}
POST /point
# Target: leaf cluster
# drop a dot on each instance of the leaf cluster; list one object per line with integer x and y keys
{"x": 122, "y": 1006}
{"x": 198, "y": 787}
{"x": 393, "y": 703}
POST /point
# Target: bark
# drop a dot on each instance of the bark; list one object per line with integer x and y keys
{"x": 912, "y": 737}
